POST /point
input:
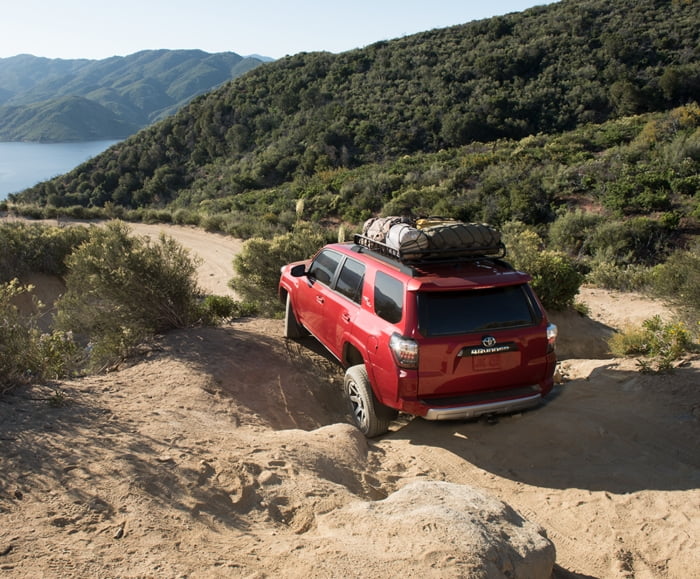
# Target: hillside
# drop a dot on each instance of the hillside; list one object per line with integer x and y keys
{"x": 118, "y": 95}
{"x": 546, "y": 70}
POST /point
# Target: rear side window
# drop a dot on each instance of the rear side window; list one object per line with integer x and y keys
{"x": 323, "y": 267}
{"x": 464, "y": 312}
{"x": 388, "y": 298}
{"x": 350, "y": 280}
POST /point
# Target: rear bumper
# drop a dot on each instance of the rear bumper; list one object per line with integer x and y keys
{"x": 475, "y": 410}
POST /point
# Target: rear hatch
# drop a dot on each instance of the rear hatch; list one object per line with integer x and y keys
{"x": 480, "y": 344}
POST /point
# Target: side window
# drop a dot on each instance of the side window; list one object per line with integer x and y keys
{"x": 323, "y": 267}
{"x": 350, "y": 280}
{"x": 388, "y": 298}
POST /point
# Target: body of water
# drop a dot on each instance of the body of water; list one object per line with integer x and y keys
{"x": 23, "y": 165}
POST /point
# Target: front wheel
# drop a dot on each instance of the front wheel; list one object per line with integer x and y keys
{"x": 370, "y": 415}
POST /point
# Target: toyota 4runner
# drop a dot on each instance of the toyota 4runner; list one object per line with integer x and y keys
{"x": 438, "y": 337}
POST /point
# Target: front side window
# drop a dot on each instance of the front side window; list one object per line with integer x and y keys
{"x": 350, "y": 280}
{"x": 323, "y": 267}
{"x": 388, "y": 298}
{"x": 464, "y": 312}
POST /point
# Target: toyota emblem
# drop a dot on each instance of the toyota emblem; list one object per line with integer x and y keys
{"x": 488, "y": 341}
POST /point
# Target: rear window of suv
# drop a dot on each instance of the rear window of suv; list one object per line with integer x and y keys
{"x": 464, "y": 312}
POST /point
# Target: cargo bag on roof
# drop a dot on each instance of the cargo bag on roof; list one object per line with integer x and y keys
{"x": 458, "y": 238}
{"x": 430, "y": 239}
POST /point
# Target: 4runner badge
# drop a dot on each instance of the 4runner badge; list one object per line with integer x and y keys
{"x": 488, "y": 346}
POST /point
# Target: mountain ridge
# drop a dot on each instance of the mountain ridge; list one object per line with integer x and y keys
{"x": 132, "y": 91}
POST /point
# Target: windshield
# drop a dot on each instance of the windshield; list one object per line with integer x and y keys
{"x": 464, "y": 312}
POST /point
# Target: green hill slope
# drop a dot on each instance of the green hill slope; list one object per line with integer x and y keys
{"x": 546, "y": 70}
{"x": 133, "y": 91}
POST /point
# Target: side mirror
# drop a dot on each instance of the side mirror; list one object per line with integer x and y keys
{"x": 298, "y": 270}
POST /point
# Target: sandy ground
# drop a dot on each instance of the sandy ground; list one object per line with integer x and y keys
{"x": 225, "y": 452}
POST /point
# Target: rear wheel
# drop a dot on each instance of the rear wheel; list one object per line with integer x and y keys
{"x": 292, "y": 328}
{"x": 371, "y": 416}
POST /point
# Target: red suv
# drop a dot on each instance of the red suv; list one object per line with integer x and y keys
{"x": 436, "y": 336}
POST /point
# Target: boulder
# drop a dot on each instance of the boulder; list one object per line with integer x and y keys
{"x": 444, "y": 529}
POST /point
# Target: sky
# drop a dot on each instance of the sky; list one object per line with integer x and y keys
{"x": 97, "y": 29}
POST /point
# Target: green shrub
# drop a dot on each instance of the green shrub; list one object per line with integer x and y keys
{"x": 26, "y": 353}
{"x": 56, "y": 354}
{"x": 156, "y": 216}
{"x": 220, "y": 307}
{"x": 258, "y": 265}
{"x": 637, "y": 194}
{"x": 620, "y": 277}
{"x": 77, "y": 212}
{"x": 34, "y": 247}
{"x": 571, "y": 232}
{"x": 678, "y": 279}
{"x": 214, "y": 223}
{"x": 657, "y": 342}
{"x": 639, "y": 240}
{"x": 186, "y": 217}
{"x": 15, "y": 338}
{"x": 555, "y": 278}
{"x": 122, "y": 288}
{"x": 29, "y": 211}
{"x": 216, "y": 309}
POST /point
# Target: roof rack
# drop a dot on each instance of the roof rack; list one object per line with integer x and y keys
{"x": 431, "y": 256}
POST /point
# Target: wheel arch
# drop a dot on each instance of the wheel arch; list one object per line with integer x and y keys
{"x": 282, "y": 293}
{"x": 353, "y": 354}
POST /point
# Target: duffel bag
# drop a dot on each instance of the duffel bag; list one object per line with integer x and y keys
{"x": 377, "y": 228}
{"x": 409, "y": 241}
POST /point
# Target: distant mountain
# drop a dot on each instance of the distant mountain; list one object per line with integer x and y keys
{"x": 52, "y": 100}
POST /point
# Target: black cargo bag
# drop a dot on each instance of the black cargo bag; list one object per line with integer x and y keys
{"x": 467, "y": 238}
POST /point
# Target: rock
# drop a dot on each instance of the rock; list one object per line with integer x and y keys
{"x": 267, "y": 477}
{"x": 456, "y": 529}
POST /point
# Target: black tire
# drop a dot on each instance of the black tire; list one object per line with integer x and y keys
{"x": 370, "y": 416}
{"x": 292, "y": 328}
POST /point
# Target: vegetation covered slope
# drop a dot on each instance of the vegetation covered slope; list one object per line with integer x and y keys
{"x": 67, "y": 100}
{"x": 546, "y": 70}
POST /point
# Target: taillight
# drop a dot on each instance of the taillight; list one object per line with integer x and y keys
{"x": 405, "y": 351}
{"x": 552, "y": 333}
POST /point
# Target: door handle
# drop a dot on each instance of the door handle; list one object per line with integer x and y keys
{"x": 346, "y": 317}
{"x": 320, "y": 299}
